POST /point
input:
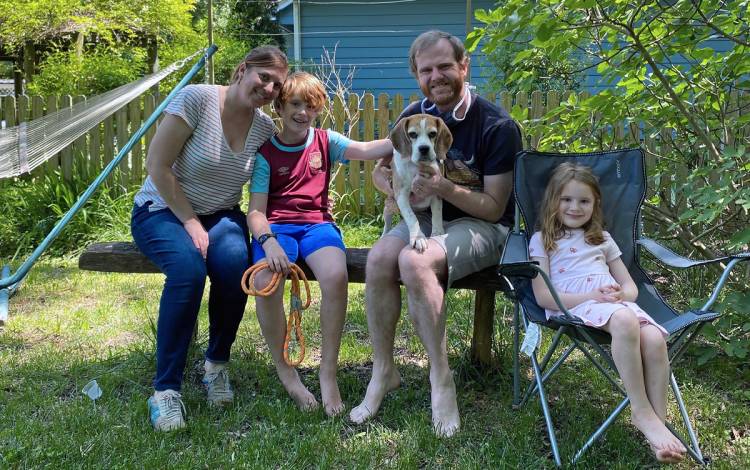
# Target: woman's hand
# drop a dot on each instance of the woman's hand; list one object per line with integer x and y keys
{"x": 198, "y": 234}
{"x": 276, "y": 257}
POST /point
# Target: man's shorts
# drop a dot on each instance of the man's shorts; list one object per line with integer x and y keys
{"x": 470, "y": 244}
{"x": 302, "y": 239}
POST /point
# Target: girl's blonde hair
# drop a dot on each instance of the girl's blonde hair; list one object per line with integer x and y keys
{"x": 305, "y": 85}
{"x": 549, "y": 223}
{"x": 263, "y": 57}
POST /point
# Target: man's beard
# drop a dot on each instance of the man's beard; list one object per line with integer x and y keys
{"x": 456, "y": 86}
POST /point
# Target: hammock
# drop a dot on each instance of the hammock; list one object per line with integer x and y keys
{"x": 30, "y": 144}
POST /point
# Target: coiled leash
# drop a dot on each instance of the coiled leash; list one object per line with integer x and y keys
{"x": 294, "y": 320}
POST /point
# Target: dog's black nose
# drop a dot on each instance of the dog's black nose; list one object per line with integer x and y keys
{"x": 424, "y": 149}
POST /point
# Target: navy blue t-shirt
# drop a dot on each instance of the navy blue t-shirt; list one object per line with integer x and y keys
{"x": 484, "y": 143}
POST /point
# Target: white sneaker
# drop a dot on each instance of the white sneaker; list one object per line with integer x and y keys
{"x": 166, "y": 410}
{"x": 219, "y": 390}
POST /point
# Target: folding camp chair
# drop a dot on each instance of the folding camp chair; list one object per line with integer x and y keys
{"x": 623, "y": 181}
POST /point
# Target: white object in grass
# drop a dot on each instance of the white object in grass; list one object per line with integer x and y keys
{"x": 92, "y": 390}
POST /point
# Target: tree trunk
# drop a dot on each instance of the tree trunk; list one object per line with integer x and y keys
{"x": 29, "y": 61}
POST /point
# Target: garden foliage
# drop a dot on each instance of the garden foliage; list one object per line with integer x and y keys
{"x": 688, "y": 104}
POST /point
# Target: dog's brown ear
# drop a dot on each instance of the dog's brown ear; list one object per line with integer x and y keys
{"x": 444, "y": 140}
{"x": 399, "y": 139}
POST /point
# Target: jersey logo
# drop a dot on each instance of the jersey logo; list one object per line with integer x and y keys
{"x": 316, "y": 160}
{"x": 283, "y": 171}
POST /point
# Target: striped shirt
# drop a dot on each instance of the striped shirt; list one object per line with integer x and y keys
{"x": 210, "y": 174}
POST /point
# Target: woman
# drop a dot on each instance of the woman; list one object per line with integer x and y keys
{"x": 187, "y": 220}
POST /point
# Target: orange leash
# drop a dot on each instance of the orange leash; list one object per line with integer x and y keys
{"x": 295, "y": 304}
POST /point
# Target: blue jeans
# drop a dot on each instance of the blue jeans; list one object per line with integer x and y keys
{"x": 162, "y": 238}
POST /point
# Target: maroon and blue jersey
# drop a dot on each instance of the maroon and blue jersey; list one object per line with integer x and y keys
{"x": 296, "y": 177}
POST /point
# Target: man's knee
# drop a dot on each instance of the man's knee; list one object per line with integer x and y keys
{"x": 416, "y": 268}
{"x": 382, "y": 261}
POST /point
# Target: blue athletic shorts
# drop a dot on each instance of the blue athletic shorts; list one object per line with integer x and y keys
{"x": 302, "y": 239}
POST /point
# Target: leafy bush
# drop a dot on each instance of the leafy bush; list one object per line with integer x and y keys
{"x": 97, "y": 71}
{"x": 31, "y": 209}
{"x": 515, "y": 70}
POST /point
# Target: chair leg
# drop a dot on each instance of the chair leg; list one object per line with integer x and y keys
{"x": 596, "y": 363}
{"x": 545, "y": 410}
{"x": 516, "y": 352}
{"x": 532, "y": 386}
{"x": 680, "y": 345}
{"x": 695, "y": 450}
{"x": 598, "y": 433}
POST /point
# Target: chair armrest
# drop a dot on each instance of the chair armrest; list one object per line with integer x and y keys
{"x": 672, "y": 259}
{"x": 514, "y": 261}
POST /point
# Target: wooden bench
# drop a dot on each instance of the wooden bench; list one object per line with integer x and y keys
{"x": 124, "y": 257}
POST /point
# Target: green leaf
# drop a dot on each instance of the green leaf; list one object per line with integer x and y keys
{"x": 544, "y": 33}
{"x": 740, "y": 238}
{"x": 482, "y": 15}
{"x": 473, "y": 38}
{"x": 706, "y": 356}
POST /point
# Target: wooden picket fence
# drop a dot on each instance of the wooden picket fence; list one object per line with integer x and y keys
{"x": 361, "y": 118}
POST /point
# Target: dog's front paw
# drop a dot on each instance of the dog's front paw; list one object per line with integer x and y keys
{"x": 419, "y": 243}
{"x": 436, "y": 231}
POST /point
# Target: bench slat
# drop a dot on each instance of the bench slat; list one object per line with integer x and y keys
{"x": 124, "y": 257}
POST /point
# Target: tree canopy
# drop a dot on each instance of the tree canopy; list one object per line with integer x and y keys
{"x": 43, "y": 20}
{"x": 667, "y": 76}
{"x": 114, "y": 38}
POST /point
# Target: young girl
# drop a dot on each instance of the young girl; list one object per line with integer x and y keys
{"x": 289, "y": 216}
{"x": 584, "y": 265}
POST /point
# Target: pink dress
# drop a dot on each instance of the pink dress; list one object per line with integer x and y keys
{"x": 577, "y": 268}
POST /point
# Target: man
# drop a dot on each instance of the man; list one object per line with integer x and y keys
{"x": 477, "y": 208}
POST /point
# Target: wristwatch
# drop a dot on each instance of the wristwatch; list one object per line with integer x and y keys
{"x": 263, "y": 238}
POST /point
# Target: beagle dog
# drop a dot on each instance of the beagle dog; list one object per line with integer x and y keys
{"x": 418, "y": 141}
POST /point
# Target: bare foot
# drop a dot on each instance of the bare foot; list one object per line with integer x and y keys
{"x": 665, "y": 445}
{"x": 445, "y": 418}
{"x": 379, "y": 386}
{"x": 329, "y": 391}
{"x": 295, "y": 388}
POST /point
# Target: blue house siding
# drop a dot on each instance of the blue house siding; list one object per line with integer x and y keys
{"x": 374, "y": 39}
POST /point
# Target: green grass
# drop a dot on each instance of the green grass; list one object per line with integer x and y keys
{"x": 68, "y": 327}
